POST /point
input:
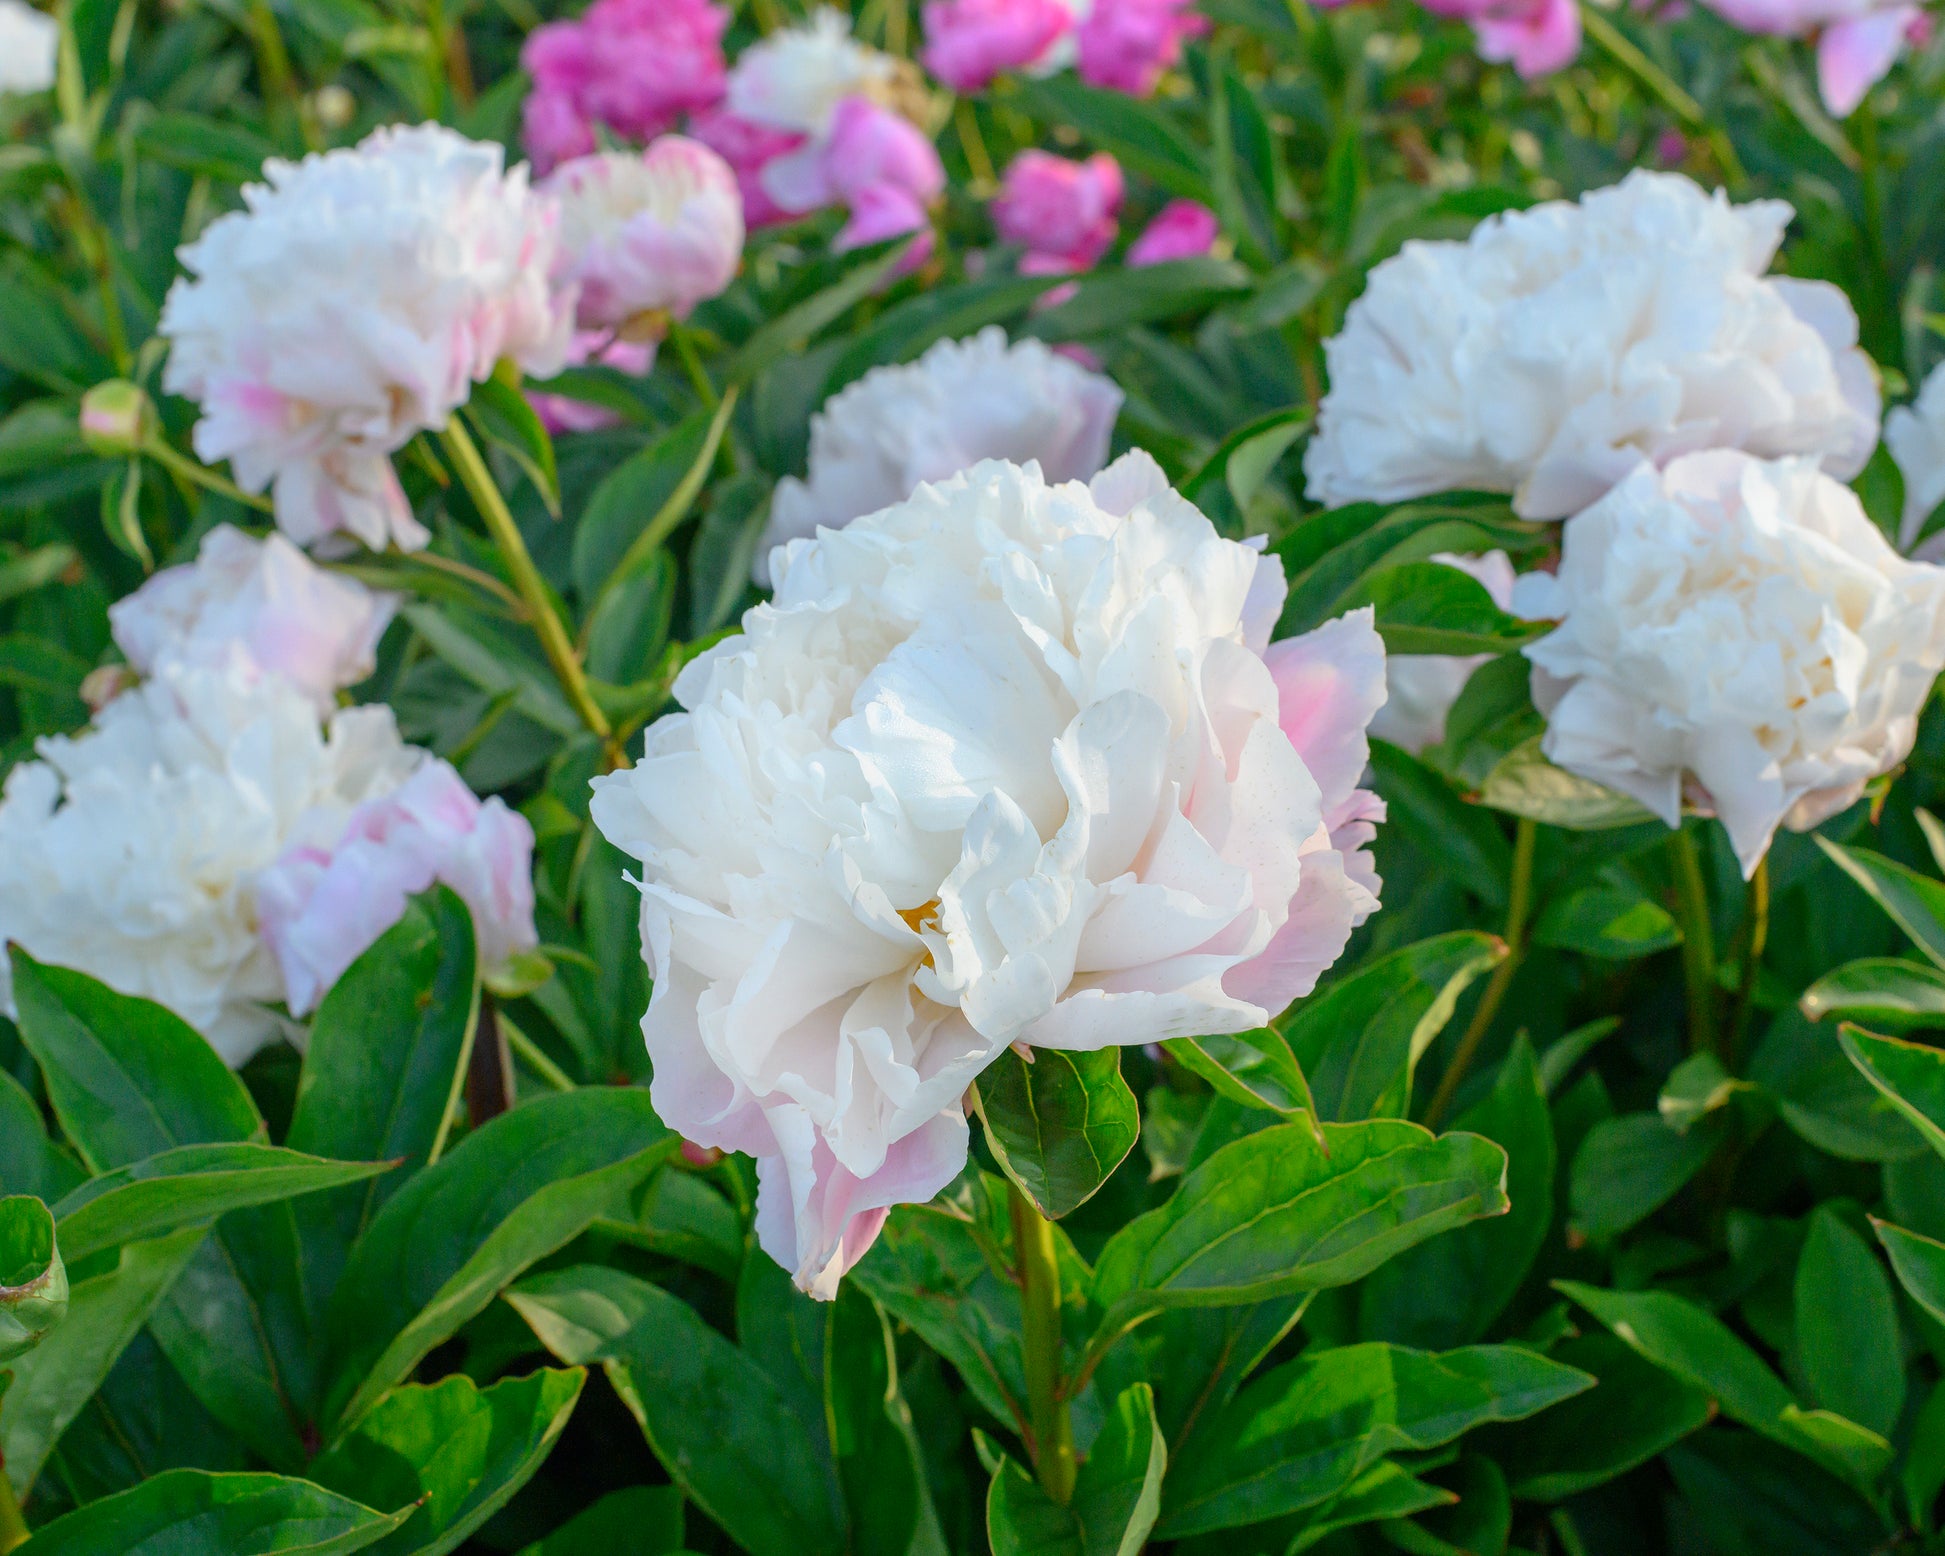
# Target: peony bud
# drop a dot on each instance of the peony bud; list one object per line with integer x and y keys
{"x": 117, "y": 418}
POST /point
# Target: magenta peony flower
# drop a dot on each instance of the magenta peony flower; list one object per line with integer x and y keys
{"x": 1858, "y": 41}
{"x": 748, "y": 148}
{"x": 968, "y": 42}
{"x": 1183, "y": 230}
{"x": 1126, "y": 45}
{"x": 1537, "y": 37}
{"x": 633, "y": 66}
{"x": 1063, "y": 213}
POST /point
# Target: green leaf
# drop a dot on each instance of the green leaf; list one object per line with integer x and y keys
{"x": 1117, "y": 1493}
{"x": 1110, "y": 301}
{"x": 1629, "y": 1167}
{"x": 450, "y": 1452}
{"x": 1280, "y": 1212}
{"x": 1525, "y": 783}
{"x": 1306, "y": 1430}
{"x": 1696, "y": 1089}
{"x": 33, "y": 1280}
{"x": 55, "y": 1379}
{"x": 384, "y": 1066}
{"x": 722, "y": 1426}
{"x": 1847, "y": 1326}
{"x": 1059, "y": 1125}
{"x": 1911, "y": 1077}
{"x": 1634, "y": 1411}
{"x": 466, "y": 643}
{"x": 186, "y": 1511}
{"x": 30, "y": 1163}
{"x": 1255, "y": 1069}
{"x": 1915, "y": 902}
{"x": 1241, "y": 463}
{"x": 794, "y": 328}
{"x": 1360, "y": 1038}
{"x": 1920, "y": 1265}
{"x": 1880, "y": 991}
{"x": 208, "y": 148}
{"x": 1827, "y": 1099}
{"x": 1448, "y": 1291}
{"x": 1429, "y": 608}
{"x": 1139, "y": 133}
{"x": 127, "y": 1078}
{"x": 629, "y": 626}
{"x": 1697, "y": 1347}
{"x": 1619, "y": 923}
{"x": 640, "y": 1521}
{"x": 507, "y": 420}
{"x": 1381, "y": 1493}
{"x": 190, "y": 1186}
{"x": 628, "y": 497}
{"x": 460, "y": 1232}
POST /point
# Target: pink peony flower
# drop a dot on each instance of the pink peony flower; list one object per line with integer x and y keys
{"x": 320, "y": 908}
{"x": 1858, "y": 41}
{"x": 748, "y": 148}
{"x": 1183, "y": 230}
{"x": 260, "y": 605}
{"x": 1127, "y": 45}
{"x": 562, "y": 413}
{"x": 1537, "y": 37}
{"x": 654, "y": 233}
{"x": 968, "y": 42}
{"x": 1063, "y": 213}
{"x": 632, "y": 66}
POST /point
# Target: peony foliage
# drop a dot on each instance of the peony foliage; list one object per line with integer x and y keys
{"x": 972, "y": 778}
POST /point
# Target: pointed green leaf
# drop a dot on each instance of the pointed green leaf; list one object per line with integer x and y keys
{"x": 1256, "y": 1069}
{"x": 1117, "y": 1493}
{"x": 1915, "y": 902}
{"x": 185, "y": 1511}
{"x": 1847, "y": 1339}
{"x": 451, "y": 1453}
{"x": 1920, "y": 1265}
{"x": 1059, "y": 1125}
{"x": 1627, "y": 1168}
{"x": 1881, "y": 991}
{"x": 1910, "y": 1075}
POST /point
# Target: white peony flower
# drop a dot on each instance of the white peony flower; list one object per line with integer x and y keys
{"x": 1915, "y": 434}
{"x": 1421, "y": 688}
{"x": 262, "y": 604}
{"x": 1558, "y": 348}
{"x": 961, "y": 402}
{"x": 130, "y": 851}
{"x": 1004, "y": 763}
{"x": 794, "y": 79}
{"x": 30, "y": 44}
{"x": 656, "y": 231}
{"x": 353, "y": 304}
{"x": 1737, "y": 630}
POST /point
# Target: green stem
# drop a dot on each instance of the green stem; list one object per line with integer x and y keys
{"x": 180, "y": 464}
{"x": 13, "y": 1524}
{"x": 534, "y": 1058}
{"x": 685, "y": 348}
{"x": 1755, "y": 942}
{"x": 532, "y": 588}
{"x": 1660, "y": 85}
{"x": 1871, "y": 177}
{"x": 1698, "y": 942}
{"x": 1047, "y": 1412}
{"x": 1519, "y": 908}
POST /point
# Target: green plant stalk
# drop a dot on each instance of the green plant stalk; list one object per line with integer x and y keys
{"x": 1048, "y": 1416}
{"x": 179, "y": 464}
{"x": 1755, "y": 942}
{"x": 1519, "y": 908}
{"x": 13, "y": 1525}
{"x": 1870, "y": 173}
{"x": 685, "y": 349}
{"x": 1622, "y": 50}
{"x": 1698, "y": 943}
{"x": 547, "y": 624}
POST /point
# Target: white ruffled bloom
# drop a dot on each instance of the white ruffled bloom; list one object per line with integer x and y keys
{"x": 353, "y": 304}
{"x": 1558, "y": 348}
{"x": 1738, "y": 631}
{"x": 1003, "y": 763}
{"x": 130, "y": 851}
{"x": 794, "y": 78}
{"x": 961, "y": 402}
{"x": 654, "y": 231}
{"x": 1421, "y": 688}
{"x": 1915, "y": 434}
{"x": 30, "y": 43}
{"x": 261, "y": 604}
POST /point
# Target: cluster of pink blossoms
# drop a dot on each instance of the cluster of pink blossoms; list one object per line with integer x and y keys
{"x": 1123, "y": 45}
{"x": 1066, "y": 215}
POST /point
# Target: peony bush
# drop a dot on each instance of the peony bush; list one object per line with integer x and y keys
{"x": 995, "y": 777}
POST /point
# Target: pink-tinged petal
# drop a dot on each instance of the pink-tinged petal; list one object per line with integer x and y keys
{"x": 817, "y": 1219}
{"x": 1329, "y": 684}
{"x": 1064, "y": 214}
{"x": 1185, "y": 229}
{"x": 1853, "y": 56}
{"x": 969, "y": 42}
{"x": 1127, "y": 45}
{"x": 881, "y": 213}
